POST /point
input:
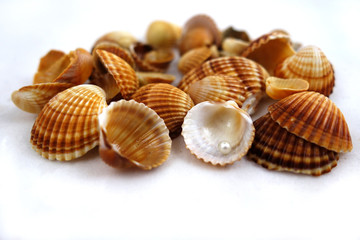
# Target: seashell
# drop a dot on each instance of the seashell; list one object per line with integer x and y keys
{"x": 154, "y": 77}
{"x": 277, "y": 149}
{"x": 132, "y": 134}
{"x": 278, "y": 88}
{"x": 230, "y": 32}
{"x": 218, "y": 133}
{"x": 315, "y": 118}
{"x": 121, "y": 38}
{"x": 160, "y": 58}
{"x": 169, "y": 102}
{"x": 310, "y": 64}
{"x": 56, "y": 66}
{"x": 193, "y": 58}
{"x": 162, "y": 34}
{"x": 233, "y": 46}
{"x": 269, "y": 50}
{"x": 123, "y": 74}
{"x": 199, "y": 31}
{"x": 33, "y": 98}
{"x": 67, "y": 126}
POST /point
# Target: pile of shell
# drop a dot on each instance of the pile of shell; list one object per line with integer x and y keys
{"x": 120, "y": 98}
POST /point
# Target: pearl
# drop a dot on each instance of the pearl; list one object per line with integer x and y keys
{"x": 224, "y": 147}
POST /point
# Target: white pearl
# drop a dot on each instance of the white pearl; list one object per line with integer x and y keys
{"x": 224, "y": 147}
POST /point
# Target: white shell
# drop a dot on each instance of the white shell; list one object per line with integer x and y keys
{"x": 218, "y": 133}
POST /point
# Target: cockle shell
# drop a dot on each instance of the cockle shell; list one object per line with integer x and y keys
{"x": 132, "y": 134}
{"x": 67, "y": 126}
{"x": 169, "y": 102}
{"x": 233, "y": 46}
{"x": 218, "y": 133}
{"x": 56, "y": 66}
{"x": 33, "y": 98}
{"x": 315, "y": 118}
{"x": 121, "y": 38}
{"x": 231, "y": 32}
{"x": 269, "y": 50}
{"x": 310, "y": 64}
{"x": 162, "y": 34}
{"x": 193, "y": 58}
{"x": 123, "y": 74}
{"x": 278, "y": 88}
{"x": 154, "y": 77}
{"x": 277, "y": 149}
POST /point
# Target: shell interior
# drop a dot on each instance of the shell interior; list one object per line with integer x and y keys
{"x": 278, "y": 88}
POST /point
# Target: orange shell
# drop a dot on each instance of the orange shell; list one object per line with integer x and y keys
{"x": 193, "y": 58}
{"x": 154, "y": 77}
{"x": 67, "y": 126}
{"x": 278, "y": 88}
{"x": 310, "y": 64}
{"x": 315, "y": 118}
{"x": 277, "y": 149}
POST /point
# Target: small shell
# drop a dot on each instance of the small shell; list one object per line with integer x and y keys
{"x": 193, "y": 58}
{"x": 169, "y": 102}
{"x": 154, "y": 77}
{"x": 162, "y": 34}
{"x": 233, "y": 46}
{"x": 278, "y": 88}
{"x": 315, "y": 118}
{"x": 310, "y": 64}
{"x": 269, "y": 50}
{"x": 56, "y": 66}
{"x": 33, "y": 98}
{"x": 67, "y": 126}
{"x": 218, "y": 133}
{"x": 199, "y": 31}
{"x": 160, "y": 58}
{"x": 277, "y": 149}
{"x": 121, "y": 38}
{"x": 132, "y": 134}
{"x": 230, "y": 32}
{"x": 123, "y": 74}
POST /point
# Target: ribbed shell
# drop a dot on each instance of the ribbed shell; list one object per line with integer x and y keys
{"x": 33, "y": 98}
{"x": 138, "y": 52}
{"x": 314, "y": 117}
{"x": 124, "y": 75}
{"x": 218, "y": 133}
{"x": 193, "y": 58}
{"x": 169, "y": 102}
{"x": 115, "y": 49}
{"x": 277, "y": 149}
{"x": 248, "y": 70}
{"x": 269, "y": 50}
{"x": 67, "y": 127}
{"x": 133, "y": 134}
{"x": 310, "y": 64}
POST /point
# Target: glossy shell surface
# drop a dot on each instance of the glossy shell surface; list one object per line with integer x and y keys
{"x": 279, "y": 88}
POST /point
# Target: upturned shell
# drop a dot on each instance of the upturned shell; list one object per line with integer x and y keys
{"x": 269, "y": 50}
{"x": 193, "y": 58}
{"x": 200, "y": 30}
{"x": 33, "y": 98}
{"x": 233, "y": 46}
{"x": 56, "y": 66}
{"x": 315, "y": 118}
{"x": 278, "y": 88}
{"x": 231, "y": 32}
{"x": 121, "y": 38}
{"x": 310, "y": 64}
{"x": 123, "y": 74}
{"x": 133, "y": 135}
{"x": 169, "y": 102}
{"x": 277, "y": 149}
{"x": 115, "y": 49}
{"x": 154, "y": 77}
{"x": 162, "y": 34}
{"x": 67, "y": 126}
{"x": 218, "y": 133}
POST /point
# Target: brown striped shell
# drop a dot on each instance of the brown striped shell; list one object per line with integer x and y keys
{"x": 169, "y": 102}
{"x": 277, "y": 149}
{"x": 33, "y": 98}
{"x": 67, "y": 126}
{"x": 315, "y": 118}
{"x": 57, "y": 66}
{"x": 132, "y": 134}
{"x": 115, "y": 49}
{"x": 193, "y": 58}
{"x": 269, "y": 50}
{"x": 310, "y": 64}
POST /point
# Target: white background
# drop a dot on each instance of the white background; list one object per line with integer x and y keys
{"x": 184, "y": 198}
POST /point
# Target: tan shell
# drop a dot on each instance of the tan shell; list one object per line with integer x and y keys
{"x": 123, "y": 74}
{"x": 277, "y": 149}
{"x": 162, "y": 34}
{"x": 315, "y": 118}
{"x": 159, "y": 58}
{"x": 310, "y": 64}
{"x": 200, "y": 30}
{"x": 121, "y": 38}
{"x": 133, "y": 135}
{"x": 279, "y": 88}
{"x": 56, "y": 66}
{"x": 169, "y": 102}
{"x": 67, "y": 126}
{"x": 154, "y": 77}
{"x": 231, "y": 32}
{"x": 269, "y": 50}
{"x": 193, "y": 58}
{"x": 218, "y": 133}
{"x": 33, "y": 98}
{"x": 233, "y": 46}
